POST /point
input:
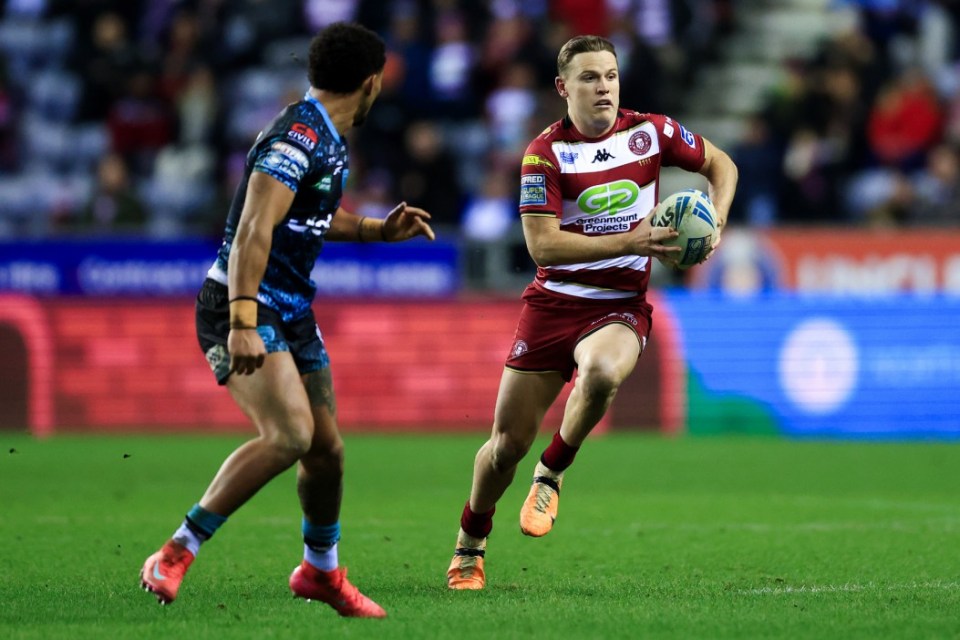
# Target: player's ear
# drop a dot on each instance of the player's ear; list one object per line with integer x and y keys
{"x": 561, "y": 86}
{"x": 369, "y": 84}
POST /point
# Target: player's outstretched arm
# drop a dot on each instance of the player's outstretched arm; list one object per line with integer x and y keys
{"x": 550, "y": 245}
{"x": 405, "y": 222}
{"x": 402, "y": 223}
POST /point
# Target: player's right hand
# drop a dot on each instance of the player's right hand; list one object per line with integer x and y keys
{"x": 648, "y": 240}
{"x": 247, "y": 351}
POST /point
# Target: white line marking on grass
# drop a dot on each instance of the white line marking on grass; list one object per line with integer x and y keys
{"x": 873, "y": 504}
{"x": 934, "y": 524}
{"x": 851, "y": 587}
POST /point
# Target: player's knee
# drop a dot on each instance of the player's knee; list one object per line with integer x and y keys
{"x": 508, "y": 450}
{"x": 598, "y": 380}
{"x": 292, "y": 441}
{"x": 326, "y": 458}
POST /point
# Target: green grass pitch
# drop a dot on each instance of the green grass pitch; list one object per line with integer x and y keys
{"x": 656, "y": 538}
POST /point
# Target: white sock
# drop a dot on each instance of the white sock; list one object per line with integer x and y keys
{"x": 188, "y": 538}
{"x": 325, "y": 560}
{"x": 467, "y": 541}
{"x": 547, "y": 472}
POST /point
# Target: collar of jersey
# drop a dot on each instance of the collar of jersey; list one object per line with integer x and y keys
{"x": 323, "y": 111}
{"x": 568, "y": 124}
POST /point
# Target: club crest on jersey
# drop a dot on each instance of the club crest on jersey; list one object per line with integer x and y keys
{"x": 640, "y": 143}
{"x": 304, "y": 135}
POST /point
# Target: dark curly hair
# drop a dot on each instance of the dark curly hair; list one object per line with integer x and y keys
{"x": 343, "y": 55}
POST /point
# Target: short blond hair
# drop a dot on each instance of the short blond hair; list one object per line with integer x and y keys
{"x": 582, "y": 44}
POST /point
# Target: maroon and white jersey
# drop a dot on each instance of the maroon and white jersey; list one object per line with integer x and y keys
{"x": 600, "y": 186}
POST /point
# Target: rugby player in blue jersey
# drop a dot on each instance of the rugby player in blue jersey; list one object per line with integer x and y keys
{"x": 257, "y": 329}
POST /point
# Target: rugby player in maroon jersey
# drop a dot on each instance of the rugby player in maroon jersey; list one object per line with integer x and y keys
{"x": 588, "y": 185}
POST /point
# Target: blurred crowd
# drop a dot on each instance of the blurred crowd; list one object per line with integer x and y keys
{"x": 865, "y": 132}
{"x": 134, "y": 116}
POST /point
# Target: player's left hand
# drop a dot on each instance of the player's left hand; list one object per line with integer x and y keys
{"x": 405, "y": 222}
{"x": 714, "y": 245}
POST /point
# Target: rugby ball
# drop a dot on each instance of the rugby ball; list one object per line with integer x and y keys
{"x": 691, "y": 213}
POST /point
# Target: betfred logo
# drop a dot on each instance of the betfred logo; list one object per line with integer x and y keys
{"x": 304, "y": 135}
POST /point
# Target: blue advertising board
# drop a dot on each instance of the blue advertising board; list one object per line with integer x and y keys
{"x": 154, "y": 268}
{"x": 828, "y": 366}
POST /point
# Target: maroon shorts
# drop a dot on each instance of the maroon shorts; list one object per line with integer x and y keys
{"x": 551, "y": 326}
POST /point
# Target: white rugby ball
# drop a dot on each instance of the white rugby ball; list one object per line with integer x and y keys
{"x": 691, "y": 213}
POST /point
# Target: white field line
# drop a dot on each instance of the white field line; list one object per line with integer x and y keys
{"x": 873, "y": 504}
{"x": 928, "y": 524}
{"x": 851, "y": 588}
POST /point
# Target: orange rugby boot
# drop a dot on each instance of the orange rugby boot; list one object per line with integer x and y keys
{"x": 466, "y": 568}
{"x": 332, "y": 587}
{"x": 539, "y": 510}
{"x": 163, "y": 572}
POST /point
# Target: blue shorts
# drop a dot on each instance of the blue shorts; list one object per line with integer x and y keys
{"x": 300, "y": 337}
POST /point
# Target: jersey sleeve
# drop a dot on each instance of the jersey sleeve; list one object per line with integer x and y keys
{"x": 285, "y": 152}
{"x": 540, "y": 181}
{"x": 679, "y": 146}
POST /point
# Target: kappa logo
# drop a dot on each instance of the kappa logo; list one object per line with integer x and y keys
{"x": 602, "y": 156}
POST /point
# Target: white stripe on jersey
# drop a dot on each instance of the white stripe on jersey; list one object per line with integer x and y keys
{"x": 637, "y": 263}
{"x": 581, "y": 291}
{"x": 589, "y": 157}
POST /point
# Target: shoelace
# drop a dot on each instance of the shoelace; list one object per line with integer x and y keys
{"x": 544, "y": 495}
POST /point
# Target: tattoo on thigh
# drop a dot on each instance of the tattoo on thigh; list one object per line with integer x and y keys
{"x": 319, "y": 386}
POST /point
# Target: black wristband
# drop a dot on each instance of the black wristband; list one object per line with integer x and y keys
{"x": 253, "y": 298}
{"x": 241, "y": 327}
{"x": 360, "y": 228}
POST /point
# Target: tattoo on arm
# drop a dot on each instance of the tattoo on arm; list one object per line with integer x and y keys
{"x": 319, "y": 386}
